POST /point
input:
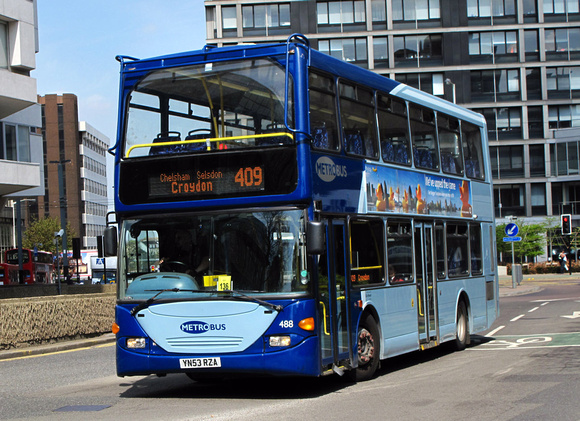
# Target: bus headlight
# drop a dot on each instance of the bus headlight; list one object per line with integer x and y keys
{"x": 280, "y": 341}
{"x": 135, "y": 343}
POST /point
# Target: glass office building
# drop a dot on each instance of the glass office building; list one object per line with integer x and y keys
{"x": 515, "y": 61}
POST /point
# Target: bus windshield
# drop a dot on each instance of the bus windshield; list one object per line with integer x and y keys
{"x": 210, "y": 106}
{"x": 252, "y": 252}
{"x": 12, "y": 256}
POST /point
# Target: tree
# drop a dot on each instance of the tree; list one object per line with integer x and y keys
{"x": 532, "y": 244}
{"x": 40, "y": 234}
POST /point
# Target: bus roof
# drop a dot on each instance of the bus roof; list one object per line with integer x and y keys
{"x": 318, "y": 60}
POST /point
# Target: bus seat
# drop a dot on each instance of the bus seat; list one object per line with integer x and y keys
{"x": 274, "y": 140}
{"x": 320, "y": 138}
{"x": 472, "y": 168}
{"x": 422, "y": 157}
{"x": 166, "y": 149}
{"x": 474, "y": 263}
{"x": 395, "y": 152}
{"x": 448, "y": 163}
{"x": 354, "y": 143}
{"x": 388, "y": 151}
{"x": 191, "y": 147}
{"x": 401, "y": 154}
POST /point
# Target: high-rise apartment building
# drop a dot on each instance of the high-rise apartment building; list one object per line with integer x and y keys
{"x": 81, "y": 150}
{"x": 20, "y": 140}
{"x": 515, "y": 61}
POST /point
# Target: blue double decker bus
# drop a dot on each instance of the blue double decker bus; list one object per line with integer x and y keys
{"x": 282, "y": 212}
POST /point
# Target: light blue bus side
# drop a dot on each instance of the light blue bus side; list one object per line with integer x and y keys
{"x": 398, "y": 317}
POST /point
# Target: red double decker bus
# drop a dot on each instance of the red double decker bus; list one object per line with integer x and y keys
{"x": 37, "y": 266}
{"x": 4, "y": 280}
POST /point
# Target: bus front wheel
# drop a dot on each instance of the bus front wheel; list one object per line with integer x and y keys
{"x": 368, "y": 349}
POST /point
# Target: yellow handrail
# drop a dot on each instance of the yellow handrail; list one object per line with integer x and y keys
{"x": 326, "y": 332}
{"x": 209, "y": 140}
{"x": 419, "y": 299}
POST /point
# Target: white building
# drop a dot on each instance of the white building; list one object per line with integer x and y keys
{"x": 21, "y": 156}
{"x": 92, "y": 150}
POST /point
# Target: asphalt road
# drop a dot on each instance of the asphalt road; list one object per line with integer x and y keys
{"x": 528, "y": 368}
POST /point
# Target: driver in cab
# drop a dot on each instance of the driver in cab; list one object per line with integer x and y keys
{"x": 186, "y": 258}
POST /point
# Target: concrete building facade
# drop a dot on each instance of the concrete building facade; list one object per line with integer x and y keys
{"x": 21, "y": 160}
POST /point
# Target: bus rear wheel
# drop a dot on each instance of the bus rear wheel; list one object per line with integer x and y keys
{"x": 368, "y": 350}
{"x": 461, "y": 328}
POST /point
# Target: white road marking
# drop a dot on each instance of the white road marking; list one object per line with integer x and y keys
{"x": 493, "y": 332}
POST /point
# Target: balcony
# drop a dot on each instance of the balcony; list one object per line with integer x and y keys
{"x": 17, "y": 92}
{"x": 17, "y": 176}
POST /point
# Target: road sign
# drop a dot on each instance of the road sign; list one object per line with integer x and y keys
{"x": 511, "y": 239}
{"x": 511, "y": 230}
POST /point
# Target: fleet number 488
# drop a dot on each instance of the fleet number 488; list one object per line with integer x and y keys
{"x": 286, "y": 324}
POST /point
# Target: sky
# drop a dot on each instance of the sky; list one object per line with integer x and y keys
{"x": 78, "y": 42}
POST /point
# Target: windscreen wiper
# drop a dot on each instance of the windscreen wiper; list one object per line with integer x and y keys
{"x": 147, "y": 303}
{"x": 234, "y": 294}
{"x": 237, "y": 294}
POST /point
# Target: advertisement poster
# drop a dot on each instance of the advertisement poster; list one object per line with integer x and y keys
{"x": 401, "y": 191}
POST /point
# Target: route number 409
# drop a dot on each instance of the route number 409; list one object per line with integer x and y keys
{"x": 249, "y": 177}
{"x": 286, "y": 324}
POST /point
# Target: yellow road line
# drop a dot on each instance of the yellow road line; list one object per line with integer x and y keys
{"x": 57, "y": 352}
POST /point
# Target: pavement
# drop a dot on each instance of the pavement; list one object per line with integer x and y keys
{"x": 528, "y": 285}
{"x": 534, "y": 283}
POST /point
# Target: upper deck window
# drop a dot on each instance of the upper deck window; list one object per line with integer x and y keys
{"x": 450, "y": 144}
{"x": 208, "y": 107}
{"x": 357, "y": 113}
{"x": 323, "y": 124}
{"x": 424, "y": 138}
{"x": 393, "y": 130}
{"x": 472, "y": 150}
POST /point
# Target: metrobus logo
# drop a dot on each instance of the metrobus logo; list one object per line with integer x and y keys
{"x": 201, "y": 327}
{"x": 327, "y": 170}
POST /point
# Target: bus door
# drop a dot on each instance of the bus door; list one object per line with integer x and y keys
{"x": 426, "y": 284}
{"x": 332, "y": 299}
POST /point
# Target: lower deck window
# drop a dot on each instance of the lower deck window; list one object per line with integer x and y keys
{"x": 367, "y": 252}
{"x": 457, "y": 250}
{"x": 400, "y": 252}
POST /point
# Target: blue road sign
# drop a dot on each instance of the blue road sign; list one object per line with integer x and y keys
{"x": 511, "y": 239}
{"x": 511, "y": 229}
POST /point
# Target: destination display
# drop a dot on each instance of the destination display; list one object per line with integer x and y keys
{"x": 219, "y": 181}
{"x": 208, "y": 176}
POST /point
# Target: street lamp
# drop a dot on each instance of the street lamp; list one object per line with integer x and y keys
{"x": 449, "y": 82}
{"x": 17, "y": 233}
{"x": 58, "y": 235}
{"x": 62, "y": 201}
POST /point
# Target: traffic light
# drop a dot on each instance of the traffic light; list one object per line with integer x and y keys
{"x": 566, "y": 221}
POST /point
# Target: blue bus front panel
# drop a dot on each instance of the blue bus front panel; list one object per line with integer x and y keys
{"x": 238, "y": 339}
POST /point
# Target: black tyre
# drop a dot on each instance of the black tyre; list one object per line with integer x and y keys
{"x": 368, "y": 349}
{"x": 461, "y": 327}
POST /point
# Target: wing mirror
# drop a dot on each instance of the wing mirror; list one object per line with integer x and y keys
{"x": 316, "y": 237}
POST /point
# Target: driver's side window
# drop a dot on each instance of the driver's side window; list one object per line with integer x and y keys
{"x": 142, "y": 251}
